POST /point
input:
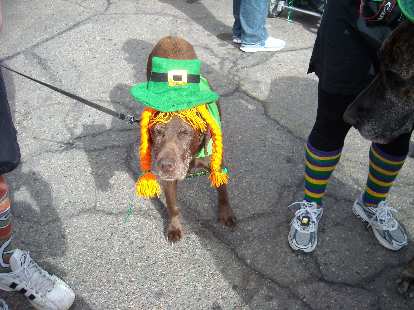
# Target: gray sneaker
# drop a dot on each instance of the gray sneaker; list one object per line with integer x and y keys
{"x": 388, "y": 231}
{"x": 303, "y": 235}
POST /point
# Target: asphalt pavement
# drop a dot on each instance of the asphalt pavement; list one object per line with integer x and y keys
{"x": 73, "y": 190}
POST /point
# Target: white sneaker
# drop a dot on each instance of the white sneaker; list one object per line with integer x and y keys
{"x": 44, "y": 291}
{"x": 271, "y": 45}
{"x": 303, "y": 234}
{"x": 389, "y": 232}
{"x": 236, "y": 40}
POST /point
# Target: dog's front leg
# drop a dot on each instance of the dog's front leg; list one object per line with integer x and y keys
{"x": 226, "y": 215}
{"x": 174, "y": 225}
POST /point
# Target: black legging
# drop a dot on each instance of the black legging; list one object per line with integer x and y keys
{"x": 329, "y": 131}
{"x": 9, "y": 148}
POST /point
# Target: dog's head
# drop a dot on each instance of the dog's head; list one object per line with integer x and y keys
{"x": 175, "y": 141}
{"x": 385, "y": 109}
{"x": 174, "y": 144}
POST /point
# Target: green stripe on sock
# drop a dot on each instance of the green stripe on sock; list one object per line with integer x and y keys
{"x": 383, "y": 170}
{"x": 315, "y": 169}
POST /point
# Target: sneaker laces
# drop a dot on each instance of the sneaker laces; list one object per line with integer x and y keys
{"x": 382, "y": 217}
{"x": 37, "y": 279}
{"x": 306, "y": 209}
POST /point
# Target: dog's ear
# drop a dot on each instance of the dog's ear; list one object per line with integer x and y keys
{"x": 199, "y": 139}
{"x": 171, "y": 47}
{"x": 396, "y": 52}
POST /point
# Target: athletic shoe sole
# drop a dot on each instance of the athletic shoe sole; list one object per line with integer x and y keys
{"x": 260, "y": 49}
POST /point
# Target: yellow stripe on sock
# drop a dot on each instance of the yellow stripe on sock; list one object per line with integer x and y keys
{"x": 313, "y": 195}
{"x": 318, "y": 168}
{"x": 383, "y": 171}
{"x": 387, "y": 161}
{"x": 375, "y": 194}
{"x": 378, "y": 182}
{"x": 314, "y": 181}
{"x": 321, "y": 157}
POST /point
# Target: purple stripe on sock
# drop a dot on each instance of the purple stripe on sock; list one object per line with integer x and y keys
{"x": 323, "y": 153}
{"x": 385, "y": 155}
{"x": 315, "y": 190}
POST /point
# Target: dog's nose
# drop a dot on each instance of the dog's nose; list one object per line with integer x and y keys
{"x": 167, "y": 165}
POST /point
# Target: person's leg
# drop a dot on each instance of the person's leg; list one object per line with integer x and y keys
{"x": 9, "y": 150}
{"x": 18, "y": 272}
{"x": 253, "y": 15}
{"x": 236, "y": 26}
{"x": 385, "y": 162}
{"x": 254, "y": 37}
{"x": 322, "y": 153}
{"x": 325, "y": 142}
{"x": 5, "y": 227}
{"x": 9, "y": 159}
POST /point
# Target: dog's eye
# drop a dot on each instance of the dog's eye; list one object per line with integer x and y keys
{"x": 184, "y": 133}
{"x": 159, "y": 131}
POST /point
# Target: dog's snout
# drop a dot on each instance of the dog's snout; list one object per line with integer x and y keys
{"x": 167, "y": 165}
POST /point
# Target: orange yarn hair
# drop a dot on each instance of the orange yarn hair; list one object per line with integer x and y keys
{"x": 147, "y": 185}
{"x": 217, "y": 176}
{"x": 200, "y": 119}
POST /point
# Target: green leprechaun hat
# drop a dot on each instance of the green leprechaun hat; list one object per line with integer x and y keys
{"x": 174, "y": 85}
{"x": 407, "y": 7}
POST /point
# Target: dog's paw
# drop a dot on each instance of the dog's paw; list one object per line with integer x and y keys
{"x": 227, "y": 218}
{"x": 174, "y": 233}
{"x": 406, "y": 281}
{"x": 405, "y": 287}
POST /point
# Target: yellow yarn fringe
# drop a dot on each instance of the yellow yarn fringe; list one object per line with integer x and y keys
{"x": 217, "y": 176}
{"x": 218, "y": 179}
{"x": 191, "y": 116}
{"x": 147, "y": 186}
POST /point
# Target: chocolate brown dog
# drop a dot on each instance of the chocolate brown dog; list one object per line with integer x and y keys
{"x": 175, "y": 145}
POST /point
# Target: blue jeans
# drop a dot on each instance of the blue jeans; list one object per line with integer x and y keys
{"x": 249, "y": 21}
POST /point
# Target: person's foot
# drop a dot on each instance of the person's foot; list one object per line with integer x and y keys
{"x": 303, "y": 235}
{"x": 3, "y": 305}
{"x": 44, "y": 291}
{"x": 271, "y": 45}
{"x": 236, "y": 40}
{"x": 388, "y": 231}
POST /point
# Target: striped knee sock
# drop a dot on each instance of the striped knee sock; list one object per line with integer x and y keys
{"x": 5, "y": 227}
{"x": 383, "y": 169}
{"x": 319, "y": 166}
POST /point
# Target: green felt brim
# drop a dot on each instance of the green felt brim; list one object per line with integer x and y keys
{"x": 172, "y": 99}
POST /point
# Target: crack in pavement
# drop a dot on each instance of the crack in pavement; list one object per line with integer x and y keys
{"x": 59, "y": 33}
{"x": 209, "y": 227}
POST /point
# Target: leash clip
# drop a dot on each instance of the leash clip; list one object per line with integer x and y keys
{"x": 131, "y": 119}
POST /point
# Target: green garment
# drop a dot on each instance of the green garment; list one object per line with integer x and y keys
{"x": 214, "y": 111}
